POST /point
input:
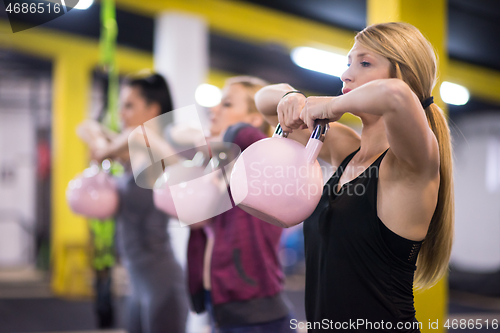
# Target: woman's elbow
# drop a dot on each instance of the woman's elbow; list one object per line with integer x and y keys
{"x": 259, "y": 98}
{"x": 267, "y": 98}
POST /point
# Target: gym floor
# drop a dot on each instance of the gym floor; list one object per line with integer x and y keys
{"x": 27, "y": 305}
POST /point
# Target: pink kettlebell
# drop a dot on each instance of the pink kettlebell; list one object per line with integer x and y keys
{"x": 162, "y": 195}
{"x": 279, "y": 180}
{"x": 188, "y": 193}
{"x": 93, "y": 194}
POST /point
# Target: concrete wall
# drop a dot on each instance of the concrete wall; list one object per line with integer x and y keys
{"x": 477, "y": 193}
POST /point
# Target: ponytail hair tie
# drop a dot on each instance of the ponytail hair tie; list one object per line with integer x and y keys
{"x": 427, "y": 102}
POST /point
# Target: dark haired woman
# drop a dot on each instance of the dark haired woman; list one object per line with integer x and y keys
{"x": 158, "y": 301}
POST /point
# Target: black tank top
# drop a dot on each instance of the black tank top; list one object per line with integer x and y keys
{"x": 351, "y": 274}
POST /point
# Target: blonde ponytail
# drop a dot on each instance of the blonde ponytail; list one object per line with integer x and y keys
{"x": 432, "y": 262}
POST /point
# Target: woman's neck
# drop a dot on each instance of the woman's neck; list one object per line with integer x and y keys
{"x": 373, "y": 139}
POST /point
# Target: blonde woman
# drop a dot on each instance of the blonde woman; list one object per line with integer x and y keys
{"x": 233, "y": 267}
{"x": 386, "y": 216}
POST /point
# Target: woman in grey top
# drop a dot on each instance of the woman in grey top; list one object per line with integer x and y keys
{"x": 158, "y": 301}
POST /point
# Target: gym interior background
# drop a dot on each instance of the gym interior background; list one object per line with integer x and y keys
{"x": 50, "y": 82}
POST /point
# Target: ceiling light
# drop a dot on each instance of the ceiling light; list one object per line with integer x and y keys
{"x": 319, "y": 60}
{"x": 207, "y": 95}
{"x": 452, "y": 93}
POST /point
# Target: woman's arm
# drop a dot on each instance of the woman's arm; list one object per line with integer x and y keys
{"x": 119, "y": 146}
{"x": 411, "y": 140}
{"x": 340, "y": 140}
{"x": 268, "y": 98}
{"x": 115, "y": 148}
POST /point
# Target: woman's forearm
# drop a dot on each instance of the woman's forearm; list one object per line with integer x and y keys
{"x": 119, "y": 144}
{"x": 268, "y": 98}
{"x": 376, "y": 97}
{"x": 407, "y": 129}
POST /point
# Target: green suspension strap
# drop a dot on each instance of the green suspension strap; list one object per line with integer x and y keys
{"x": 104, "y": 230}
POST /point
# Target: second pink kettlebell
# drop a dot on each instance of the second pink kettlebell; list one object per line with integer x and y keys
{"x": 93, "y": 194}
{"x": 187, "y": 193}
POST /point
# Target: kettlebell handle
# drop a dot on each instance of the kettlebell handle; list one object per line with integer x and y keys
{"x": 319, "y": 132}
{"x": 315, "y": 142}
{"x": 278, "y": 132}
{"x": 321, "y": 127}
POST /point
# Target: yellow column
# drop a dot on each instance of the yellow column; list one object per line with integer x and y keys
{"x": 430, "y": 17}
{"x": 69, "y": 243}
